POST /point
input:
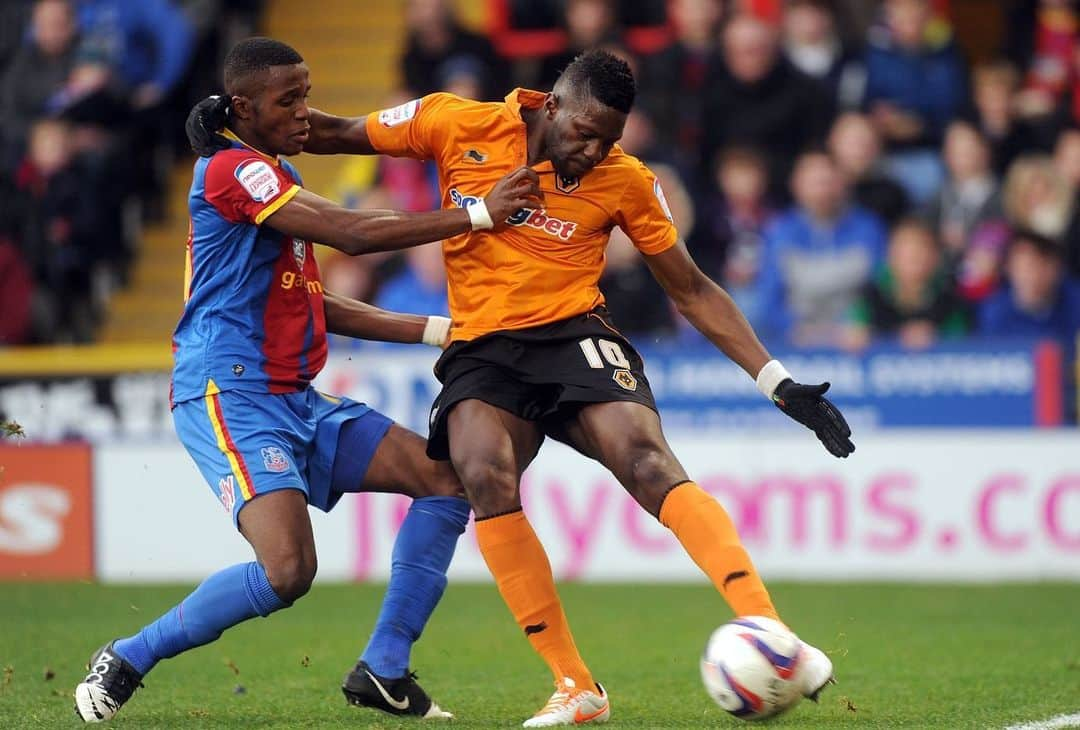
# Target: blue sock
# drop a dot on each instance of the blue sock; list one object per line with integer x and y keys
{"x": 422, "y": 552}
{"x": 224, "y": 599}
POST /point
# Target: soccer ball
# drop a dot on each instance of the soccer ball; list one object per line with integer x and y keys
{"x": 750, "y": 667}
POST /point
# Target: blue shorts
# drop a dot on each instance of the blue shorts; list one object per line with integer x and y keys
{"x": 247, "y": 444}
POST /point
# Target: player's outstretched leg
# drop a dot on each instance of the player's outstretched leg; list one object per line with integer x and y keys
{"x": 627, "y": 439}
{"x": 422, "y": 552}
{"x": 278, "y": 527}
{"x": 224, "y": 599}
{"x": 521, "y": 569}
{"x": 389, "y": 458}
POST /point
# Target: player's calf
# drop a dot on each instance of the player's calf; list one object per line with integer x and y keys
{"x": 110, "y": 684}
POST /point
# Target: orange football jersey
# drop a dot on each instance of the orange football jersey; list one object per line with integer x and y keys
{"x": 544, "y": 266}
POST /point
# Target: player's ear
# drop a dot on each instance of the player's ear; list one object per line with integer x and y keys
{"x": 551, "y": 104}
{"x": 241, "y": 107}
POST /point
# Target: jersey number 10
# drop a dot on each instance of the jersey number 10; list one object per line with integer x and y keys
{"x": 610, "y": 351}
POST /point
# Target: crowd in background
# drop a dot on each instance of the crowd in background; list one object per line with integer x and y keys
{"x": 839, "y": 167}
{"x": 93, "y": 94}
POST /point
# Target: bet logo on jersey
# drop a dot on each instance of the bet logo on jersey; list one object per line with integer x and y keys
{"x": 537, "y": 218}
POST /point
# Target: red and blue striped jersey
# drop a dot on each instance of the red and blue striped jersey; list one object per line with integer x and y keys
{"x": 253, "y": 316}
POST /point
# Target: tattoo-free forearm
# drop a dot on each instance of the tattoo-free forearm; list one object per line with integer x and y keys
{"x": 712, "y": 311}
{"x": 353, "y": 318}
{"x": 334, "y": 135}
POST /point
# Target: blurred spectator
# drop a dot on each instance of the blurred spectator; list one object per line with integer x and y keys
{"x": 910, "y": 297}
{"x": 994, "y": 90}
{"x": 813, "y": 44}
{"x": 1067, "y": 162}
{"x": 420, "y": 287}
{"x": 37, "y": 72}
{"x": 970, "y": 196}
{"x": 1042, "y": 42}
{"x": 637, "y": 302}
{"x": 671, "y": 85}
{"x": 16, "y": 289}
{"x": 1037, "y": 197}
{"x": 818, "y": 256}
{"x": 60, "y": 229}
{"x": 915, "y": 85}
{"x": 13, "y": 19}
{"x": 589, "y": 23}
{"x": 147, "y": 44}
{"x": 855, "y": 145}
{"x": 727, "y": 243}
{"x": 435, "y": 37}
{"x": 463, "y": 76}
{"x": 755, "y": 97}
{"x": 1040, "y": 299}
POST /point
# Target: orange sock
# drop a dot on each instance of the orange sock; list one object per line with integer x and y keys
{"x": 709, "y": 537}
{"x": 521, "y": 569}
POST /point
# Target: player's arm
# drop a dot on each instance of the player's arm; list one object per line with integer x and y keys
{"x": 353, "y": 318}
{"x": 334, "y": 135}
{"x": 709, "y": 308}
{"x": 312, "y": 217}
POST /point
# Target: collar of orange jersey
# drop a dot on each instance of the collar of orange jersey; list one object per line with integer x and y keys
{"x": 230, "y": 135}
{"x": 520, "y": 98}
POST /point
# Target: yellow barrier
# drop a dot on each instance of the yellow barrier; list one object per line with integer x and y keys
{"x": 64, "y": 360}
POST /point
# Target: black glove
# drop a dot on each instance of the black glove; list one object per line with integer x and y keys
{"x": 204, "y": 122}
{"x": 806, "y": 404}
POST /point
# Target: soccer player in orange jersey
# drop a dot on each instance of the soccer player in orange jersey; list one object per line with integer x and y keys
{"x": 534, "y": 352}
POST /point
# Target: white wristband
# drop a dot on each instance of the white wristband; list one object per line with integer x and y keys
{"x": 479, "y": 216}
{"x": 771, "y": 376}
{"x": 435, "y": 331}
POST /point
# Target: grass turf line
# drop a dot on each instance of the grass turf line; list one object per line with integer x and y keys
{"x": 926, "y": 656}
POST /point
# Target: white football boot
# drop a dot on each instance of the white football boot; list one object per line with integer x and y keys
{"x": 110, "y": 684}
{"x": 572, "y": 706}
{"x": 815, "y": 671}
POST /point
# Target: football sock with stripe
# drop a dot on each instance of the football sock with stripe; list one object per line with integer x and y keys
{"x": 707, "y": 533}
{"x": 521, "y": 569}
{"x": 224, "y": 599}
{"x": 422, "y": 552}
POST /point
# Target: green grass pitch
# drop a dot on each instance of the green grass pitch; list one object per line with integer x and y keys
{"x": 925, "y": 656}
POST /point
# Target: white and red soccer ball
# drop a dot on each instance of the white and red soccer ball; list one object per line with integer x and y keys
{"x": 751, "y": 667}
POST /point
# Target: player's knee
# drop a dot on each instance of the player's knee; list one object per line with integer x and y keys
{"x": 441, "y": 481}
{"x": 492, "y": 487}
{"x": 650, "y": 471}
{"x": 290, "y": 576}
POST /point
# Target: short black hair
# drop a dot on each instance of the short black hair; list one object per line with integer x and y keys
{"x": 252, "y": 55}
{"x": 603, "y": 76}
{"x": 1045, "y": 245}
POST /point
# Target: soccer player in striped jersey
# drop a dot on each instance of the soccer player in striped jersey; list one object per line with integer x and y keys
{"x": 250, "y": 340}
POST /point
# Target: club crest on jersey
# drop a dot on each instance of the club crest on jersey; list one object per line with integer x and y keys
{"x": 473, "y": 155}
{"x": 299, "y": 252}
{"x": 566, "y": 184}
{"x": 399, "y": 114}
{"x": 530, "y": 217}
{"x": 625, "y": 380}
{"x": 258, "y": 179}
{"x": 273, "y": 459}
{"x": 227, "y": 492}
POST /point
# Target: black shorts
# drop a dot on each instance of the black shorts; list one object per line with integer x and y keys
{"x": 542, "y": 374}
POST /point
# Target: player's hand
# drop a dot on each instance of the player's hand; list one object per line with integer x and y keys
{"x": 807, "y": 405}
{"x": 204, "y": 122}
{"x": 519, "y": 189}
